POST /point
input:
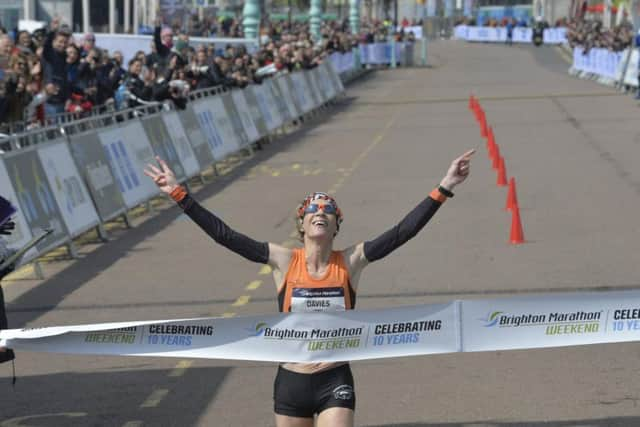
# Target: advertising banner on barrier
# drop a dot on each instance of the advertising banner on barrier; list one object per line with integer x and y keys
{"x": 601, "y": 62}
{"x": 302, "y": 91}
{"x": 68, "y": 188}
{"x": 204, "y": 114}
{"x": 93, "y": 164}
{"x": 278, "y": 98}
{"x": 181, "y": 143}
{"x": 498, "y": 35}
{"x": 343, "y": 62}
{"x": 231, "y": 140}
{"x": 327, "y": 81}
{"x": 294, "y": 110}
{"x": 21, "y": 233}
{"x": 129, "y": 151}
{"x": 554, "y": 35}
{"x": 162, "y": 144}
{"x": 276, "y": 104}
{"x": 256, "y": 113}
{"x": 295, "y": 337}
{"x": 315, "y": 76}
{"x": 551, "y": 321}
{"x": 244, "y": 113}
{"x": 199, "y": 142}
{"x": 335, "y": 77}
{"x": 522, "y": 35}
{"x": 316, "y": 99}
{"x": 461, "y": 32}
{"x": 35, "y": 197}
{"x": 486, "y": 34}
{"x": 234, "y": 118}
{"x": 260, "y": 93}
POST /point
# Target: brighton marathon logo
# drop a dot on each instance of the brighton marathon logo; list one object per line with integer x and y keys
{"x": 113, "y": 336}
{"x": 257, "y": 330}
{"x": 317, "y": 339}
{"x": 176, "y": 335}
{"x": 403, "y": 332}
{"x": 557, "y": 323}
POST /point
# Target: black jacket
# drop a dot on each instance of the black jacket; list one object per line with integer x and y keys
{"x": 55, "y": 70}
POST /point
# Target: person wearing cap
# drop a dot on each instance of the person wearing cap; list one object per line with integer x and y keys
{"x": 314, "y": 277}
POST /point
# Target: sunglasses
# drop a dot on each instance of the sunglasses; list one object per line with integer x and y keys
{"x": 328, "y": 208}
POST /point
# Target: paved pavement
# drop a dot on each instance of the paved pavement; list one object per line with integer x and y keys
{"x": 572, "y": 146}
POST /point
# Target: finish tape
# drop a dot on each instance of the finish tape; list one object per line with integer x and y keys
{"x": 459, "y": 326}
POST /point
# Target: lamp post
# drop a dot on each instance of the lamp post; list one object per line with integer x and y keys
{"x": 354, "y": 16}
{"x": 251, "y": 19}
{"x": 315, "y": 19}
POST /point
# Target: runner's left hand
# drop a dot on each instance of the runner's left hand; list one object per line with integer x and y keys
{"x": 458, "y": 171}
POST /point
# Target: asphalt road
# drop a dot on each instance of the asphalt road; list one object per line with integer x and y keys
{"x": 573, "y": 147}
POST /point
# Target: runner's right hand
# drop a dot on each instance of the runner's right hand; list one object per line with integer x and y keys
{"x": 163, "y": 176}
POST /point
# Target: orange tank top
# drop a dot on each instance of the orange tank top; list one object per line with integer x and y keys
{"x": 301, "y": 292}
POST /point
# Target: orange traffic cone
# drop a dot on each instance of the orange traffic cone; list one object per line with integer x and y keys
{"x": 489, "y": 137}
{"x": 491, "y": 143}
{"x": 492, "y": 149}
{"x": 479, "y": 112}
{"x": 517, "y": 237}
{"x": 502, "y": 173}
{"x": 512, "y": 197}
{"x": 496, "y": 156}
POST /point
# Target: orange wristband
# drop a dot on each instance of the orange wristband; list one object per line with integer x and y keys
{"x": 178, "y": 194}
{"x": 437, "y": 196}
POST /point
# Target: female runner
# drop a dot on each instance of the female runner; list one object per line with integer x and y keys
{"x": 314, "y": 278}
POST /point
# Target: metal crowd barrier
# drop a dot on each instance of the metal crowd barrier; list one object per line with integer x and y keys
{"x": 75, "y": 176}
{"x": 499, "y": 34}
{"x": 606, "y": 67}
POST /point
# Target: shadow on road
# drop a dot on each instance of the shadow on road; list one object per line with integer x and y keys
{"x": 109, "y": 398}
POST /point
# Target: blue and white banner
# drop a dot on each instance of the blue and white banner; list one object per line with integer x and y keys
{"x": 557, "y": 320}
{"x": 550, "y": 321}
{"x": 486, "y": 34}
{"x": 499, "y": 34}
{"x": 601, "y": 62}
{"x": 555, "y": 35}
{"x": 343, "y": 62}
{"x": 128, "y": 151}
{"x": 297, "y": 337}
{"x": 68, "y": 188}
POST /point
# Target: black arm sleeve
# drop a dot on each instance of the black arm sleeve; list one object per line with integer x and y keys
{"x": 397, "y": 236}
{"x": 223, "y": 234}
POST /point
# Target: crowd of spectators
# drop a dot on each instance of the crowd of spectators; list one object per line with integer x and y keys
{"x": 592, "y": 34}
{"x": 49, "y": 72}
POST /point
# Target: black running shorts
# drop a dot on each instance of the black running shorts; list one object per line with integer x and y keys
{"x": 304, "y": 395}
